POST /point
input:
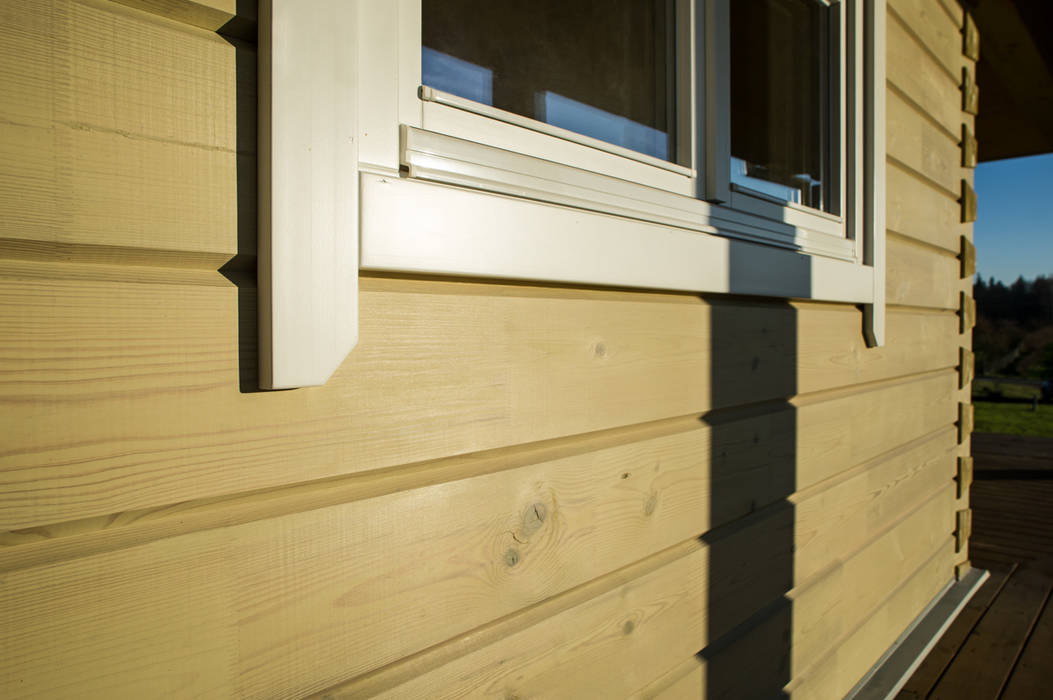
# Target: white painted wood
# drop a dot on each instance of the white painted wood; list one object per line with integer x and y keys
{"x": 441, "y": 158}
{"x": 855, "y": 88}
{"x": 713, "y": 35}
{"x": 839, "y": 99}
{"x": 686, "y": 95}
{"x": 308, "y": 203}
{"x": 475, "y": 127}
{"x": 429, "y": 94}
{"x": 378, "y": 88}
{"x": 337, "y": 79}
{"x": 408, "y": 41}
{"x": 415, "y": 226}
{"x": 874, "y": 157}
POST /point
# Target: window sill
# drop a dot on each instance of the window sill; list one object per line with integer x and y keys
{"x": 410, "y": 225}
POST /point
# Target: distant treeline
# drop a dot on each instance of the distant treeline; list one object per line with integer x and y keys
{"x": 1027, "y": 302}
{"x": 1014, "y": 327}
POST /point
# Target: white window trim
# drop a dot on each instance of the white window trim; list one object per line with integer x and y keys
{"x": 358, "y": 172}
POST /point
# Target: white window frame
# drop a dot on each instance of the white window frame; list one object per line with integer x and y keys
{"x": 362, "y": 168}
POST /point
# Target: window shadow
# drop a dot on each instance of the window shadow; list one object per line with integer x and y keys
{"x": 753, "y": 472}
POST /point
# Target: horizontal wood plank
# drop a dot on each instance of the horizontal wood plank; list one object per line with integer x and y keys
{"x": 914, "y": 209}
{"x": 915, "y": 73}
{"x": 159, "y": 367}
{"x": 917, "y": 275}
{"x": 305, "y": 593}
{"x": 611, "y": 646}
{"x": 928, "y": 151}
{"x": 935, "y": 30}
{"x": 841, "y": 517}
{"x": 121, "y": 129}
{"x": 685, "y": 682}
{"x": 832, "y": 607}
{"x": 555, "y": 645}
{"x": 835, "y": 674}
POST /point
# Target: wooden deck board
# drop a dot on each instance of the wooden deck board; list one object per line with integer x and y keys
{"x": 945, "y": 651}
{"x": 1002, "y": 643}
{"x": 986, "y": 660}
{"x": 1030, "y": 678}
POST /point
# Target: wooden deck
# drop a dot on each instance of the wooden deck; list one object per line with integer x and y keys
{"x": 1001, "y": 645}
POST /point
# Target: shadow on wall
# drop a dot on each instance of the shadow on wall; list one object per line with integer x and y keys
{"x": 753, "y": 448}
{"x": 241, "y": 269}
{"x": 753, "y": 473}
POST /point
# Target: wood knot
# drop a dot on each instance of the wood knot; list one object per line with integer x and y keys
{"x": 511, "y": 557}
{"x": 599, "y": 350}
{"x": 651, "y": 504}
{"x": 628, "y": 627}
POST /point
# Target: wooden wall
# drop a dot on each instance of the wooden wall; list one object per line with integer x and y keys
{"x": 506, "y": 491}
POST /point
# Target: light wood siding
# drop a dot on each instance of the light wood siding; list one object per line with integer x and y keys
{"x": 505, "y": 491}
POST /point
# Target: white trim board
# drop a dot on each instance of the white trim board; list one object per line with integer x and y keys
{"x": 414, "y": 226}
{"x": 308, "y": 205}
{"x": 897, "y": 665}
{"x": 484, "y": 197}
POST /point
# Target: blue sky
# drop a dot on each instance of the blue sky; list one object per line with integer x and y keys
{"x": 1014, "y": 218}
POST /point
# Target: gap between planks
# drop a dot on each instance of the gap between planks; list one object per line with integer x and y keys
{"x": 40, "y": 545}
{"x": 911, "y": 240}
{"x": 402, "y": 670}
{"x": 923, "y": 178}
{"x": 947, "y": 71}
{"x": 913, "y": 104}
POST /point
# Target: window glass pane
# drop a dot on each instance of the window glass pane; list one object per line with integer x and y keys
{"x": 780, "y": 99}
{"x": 599, "y": 68}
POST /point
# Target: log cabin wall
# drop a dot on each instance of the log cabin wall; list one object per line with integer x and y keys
{"x": 506, "y": 490}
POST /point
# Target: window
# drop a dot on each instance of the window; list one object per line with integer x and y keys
{"x": 600, "y": 69}
{"x": 786, "y": 100}
{"x": 706, "y": 145}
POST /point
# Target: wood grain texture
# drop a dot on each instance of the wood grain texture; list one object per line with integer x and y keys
{"x": 918, "y": 275}
{"x": 913, "y": 71}
{"x": 614, "y": 645}
{"x": 823, "y": 614}
{"x": 554, "y": 663}
{"x": 499, "y": 473}
{"x": 120, "y": 129}
{"x": 685, "y": 682}
{"x": 833, "y": 675}
{"x": 934, "y": 29}
{"x": 226, "y": 16}
{"x": 169, "y": 383}
{"x": 817, "y": 624}
{"x": 916, "y": 143}
{"x": 322, "y": 595}
{"x": 916, "y": 210}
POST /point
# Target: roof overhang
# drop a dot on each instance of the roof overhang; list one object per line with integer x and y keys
{"x": 1015, "y": 77}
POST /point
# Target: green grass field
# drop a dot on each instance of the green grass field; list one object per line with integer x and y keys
{"x": 1013, "y": 418}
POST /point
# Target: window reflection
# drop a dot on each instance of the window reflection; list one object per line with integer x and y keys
{"x": 450, "y": 74}
{"x": 603, "y": 69}
{"x": 781, "y": 99}
{"x": 584, "y": 119}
